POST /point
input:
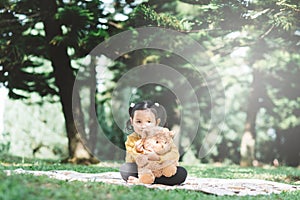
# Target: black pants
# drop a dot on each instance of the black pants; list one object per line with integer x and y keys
{"x": 130, "y": 169}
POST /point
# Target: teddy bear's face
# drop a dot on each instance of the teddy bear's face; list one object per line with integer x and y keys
{"x": 160, "y": 143}
{"x": 150, "y": 131}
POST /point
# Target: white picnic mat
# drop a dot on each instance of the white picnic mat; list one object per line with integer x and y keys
{"x": 216, "y": 186}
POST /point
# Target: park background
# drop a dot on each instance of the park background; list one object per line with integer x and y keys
{"x": 253, "y": 44}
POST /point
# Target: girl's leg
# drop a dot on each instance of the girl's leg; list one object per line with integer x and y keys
{"x": 176, "y": 179}
{"x": 128, "y": 169}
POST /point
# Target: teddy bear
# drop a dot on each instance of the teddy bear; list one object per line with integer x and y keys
{"x": 150, "y": 131}
{"x": 160, "y": 141}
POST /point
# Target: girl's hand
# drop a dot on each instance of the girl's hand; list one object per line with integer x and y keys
{"x": 139, "y": 146}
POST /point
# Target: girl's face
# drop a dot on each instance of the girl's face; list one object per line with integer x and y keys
{"x": 142, "y": 119}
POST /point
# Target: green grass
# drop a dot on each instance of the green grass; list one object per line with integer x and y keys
{"x": 33, "y": 187}
{"x": 282, "y": 174}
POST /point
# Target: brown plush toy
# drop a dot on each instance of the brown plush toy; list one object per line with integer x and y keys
{"x": 160, "y": 141}
{"x": 150, "y": 131}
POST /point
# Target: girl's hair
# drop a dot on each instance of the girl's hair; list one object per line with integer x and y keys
{"x": 157, "y": 109}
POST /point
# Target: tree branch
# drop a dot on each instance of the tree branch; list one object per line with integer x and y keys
{"x": 267, "y": 32}
{"x": 16, "y": 19}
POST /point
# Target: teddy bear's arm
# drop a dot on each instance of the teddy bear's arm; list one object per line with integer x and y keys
{"x": 171, "y": 155}
{"x": 141, "y": 160}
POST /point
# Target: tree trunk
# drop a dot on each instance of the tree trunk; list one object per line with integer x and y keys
{"x": 64, "y": 79}
{"x": 93, "y": 128}
{"x": 248, "y": 140}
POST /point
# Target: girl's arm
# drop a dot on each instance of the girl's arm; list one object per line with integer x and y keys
{"x": 131, "y": 151}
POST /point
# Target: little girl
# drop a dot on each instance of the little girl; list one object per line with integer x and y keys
{"x": 145, "y": 114}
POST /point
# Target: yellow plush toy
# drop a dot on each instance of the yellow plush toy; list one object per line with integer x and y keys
{"x": 160, "y": 141}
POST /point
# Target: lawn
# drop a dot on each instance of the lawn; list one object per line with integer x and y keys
{"x": 32, "y": 187}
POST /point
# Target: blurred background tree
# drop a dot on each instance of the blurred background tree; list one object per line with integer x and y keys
{"x": 59, "y": 32}
{"x": 253, "y": 44}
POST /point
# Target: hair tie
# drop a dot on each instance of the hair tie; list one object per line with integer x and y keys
{"x": 132, "y": 105}
{"x": 156, "y": 104}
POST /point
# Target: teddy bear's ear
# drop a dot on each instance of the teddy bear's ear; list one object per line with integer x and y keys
{"x": 172, "y": 134}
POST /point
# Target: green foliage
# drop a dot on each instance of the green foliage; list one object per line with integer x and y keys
{"x": 264, "y": 30}
{"x": 31, "y": 30}
{"x": 239, "y": 37}
{"x": 5, "y": 143}
{"x": 32, "y": 131}
{"x": 23, "y": 41}
{"x": 147, "y": 16}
